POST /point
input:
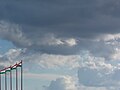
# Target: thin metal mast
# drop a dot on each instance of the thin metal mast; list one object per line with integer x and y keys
{"x": 21, "y": 76}
{"x": 5, "y": 80}
{"x": 0, "y": 81}
{"x": 10, "y": 78}
{"x": 16, "y": 79}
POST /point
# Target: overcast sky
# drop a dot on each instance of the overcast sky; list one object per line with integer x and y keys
{"x": 64, "y": 44}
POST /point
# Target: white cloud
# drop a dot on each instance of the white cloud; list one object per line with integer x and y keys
{"x": 54, "y": 61}
{"x": 108, "y": 37}
{"x": 97, "y": 72}
{"x": 70, "y": 83}
{"x": 11, "y": 57}
{"x": 52, "y": 40}
{"x": 13, "y": 53}
{"x": 43, "y": 60}
{"x": 59, "y": 60}
{"x": 116, "y": 55}
{"x": 87, "y": 59}
{"x": 12, "y": 32}
{"x": 71, "y": 42}
{"x": 46, "y": 76}
{"x": 63, "y": 83}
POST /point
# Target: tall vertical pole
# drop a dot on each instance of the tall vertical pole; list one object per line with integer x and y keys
{"x": 5, "y": 80}
{"x": 16, "y": 79}
{"x": 21, "y": 76}
{"x": 10, "y": 78}
{"x": 0, "y": 81}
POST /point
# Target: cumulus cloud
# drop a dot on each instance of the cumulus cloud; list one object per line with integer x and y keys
{"x": 63, "y": 83}
{"x": 90, "y": 61}
{"x": 97, "y": 72}
{"x": 69, "y": 83}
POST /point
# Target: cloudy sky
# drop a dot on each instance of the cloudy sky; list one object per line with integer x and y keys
{"x": 64, "y": 44}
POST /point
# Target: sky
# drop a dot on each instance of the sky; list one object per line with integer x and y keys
{"x": 64, "y": 44}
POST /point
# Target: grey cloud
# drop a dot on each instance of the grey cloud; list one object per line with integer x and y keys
{"x": 78, "y": 19}
{"x": 90, "y": 77}
{"x": 116, "y": 74}
{"x": 98, "y": 78}
{"x": 46, "y": 42}
{"x": 97, "y": 72}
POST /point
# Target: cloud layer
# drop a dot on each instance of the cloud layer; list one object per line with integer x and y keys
{"x": 70, "y": 34}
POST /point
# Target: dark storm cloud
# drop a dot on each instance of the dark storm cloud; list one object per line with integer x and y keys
{"x": 81, "y": 18}
{"x": 65, "y": 19}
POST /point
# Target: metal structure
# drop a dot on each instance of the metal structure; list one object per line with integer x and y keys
{"x": 6, "y": 77}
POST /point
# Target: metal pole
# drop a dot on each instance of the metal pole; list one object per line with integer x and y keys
{"x": 0, "y": 82}
{"x": 10, "y": 78}
{"x": 16, "y": 79}
{"x": 21, "y": 76}
{"x": 5, "y": 81}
